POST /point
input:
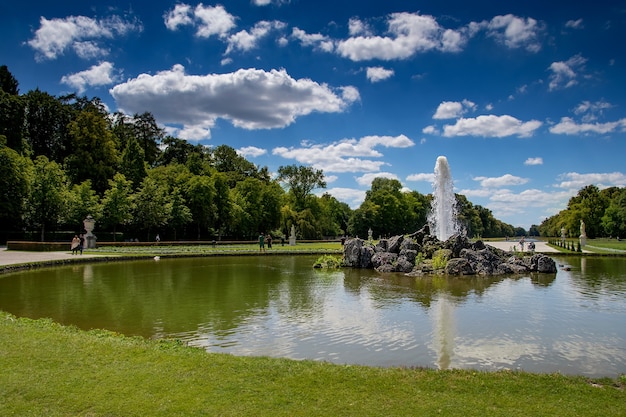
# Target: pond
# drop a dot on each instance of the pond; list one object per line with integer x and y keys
{"x": 572, "y": 322}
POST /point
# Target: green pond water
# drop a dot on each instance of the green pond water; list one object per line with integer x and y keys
{"x": 573, "y": 322}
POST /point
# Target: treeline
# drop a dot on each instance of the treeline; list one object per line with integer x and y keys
{"x": 602, "y": 211}
{"x": 63, "y": 158}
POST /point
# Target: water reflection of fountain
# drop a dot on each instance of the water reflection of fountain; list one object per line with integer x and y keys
{"x": 442, "y": 218}
{"x": 444, "y": 331}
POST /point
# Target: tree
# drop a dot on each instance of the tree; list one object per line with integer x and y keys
{"x": 15, "y": 180}
{"x": 47, "y": 202}
{"x": 132, "y": 163}
{"x": 152, "y": 206}
{"x": 117, "y": 203}
{"x": 149, "y": 135}
{"x": 225, "y": 159}
{"x": 11, "y": 111}
{"x": 222, "y": 202}
{"x": 95, "y": 154}
{"x": 8, "y": 83}
{"x": 180, "y": 215}
{"x": 46, "y": 120}
{"x": 301, "y": 181}
{"x": 199, "y": 194}
{"x": 82, "y": 202}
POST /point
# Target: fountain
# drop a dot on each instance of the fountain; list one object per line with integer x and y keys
{"x": 442, "y": 218}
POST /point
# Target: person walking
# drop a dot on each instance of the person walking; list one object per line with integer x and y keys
{"x": 74, "y": 245}
{"x": 261, "y": 242}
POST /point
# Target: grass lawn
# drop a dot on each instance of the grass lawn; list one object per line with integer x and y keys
{"x": 52, "y": 370}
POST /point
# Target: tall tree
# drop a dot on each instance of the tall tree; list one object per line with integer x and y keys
{"x": 46, "y": 125}
{"x": 152, "y": 206}
{"x": 12, "y": 111}
{"x": 8, "y": 83}
{"x": 48, "y": 198}
{"x": 132, "y": 163}
{"x": 117, "y": 203}
{"x": 95, "y": 154}
{"x": 149, "y": 135}
{"x": 82, "y": 202}
{"x": 199, "y": 194}
{"x": 301, "y": 180}
{"x": 15, "y": 180}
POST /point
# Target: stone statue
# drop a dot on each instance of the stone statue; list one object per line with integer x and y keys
{"x": 583, "y": 234}
{"x": 292, "y": 236}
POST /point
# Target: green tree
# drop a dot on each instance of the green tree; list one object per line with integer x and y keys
{"x": 222, "y": 203}
{"x": 149, "y": 135}
{"x": 47, "y": 202}
{"x": 15, "y": 180}
{"x": 152, "y": 206}
{"x": 199, "y": 194}
{"x": 8, "y": 83}
{"x": 132, "y": 163}
{"x": 180, "y": 214}
{"x": 117, "y": 203}
{"x": 82, "y": 201}
{"x": 225, "y": 159}
{"x": 300, "y": 181}
{"x": 95, "y": 155}
{"x": 12, "y": 111}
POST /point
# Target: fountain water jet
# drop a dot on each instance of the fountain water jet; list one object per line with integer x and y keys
{"x": 442, "y": 218}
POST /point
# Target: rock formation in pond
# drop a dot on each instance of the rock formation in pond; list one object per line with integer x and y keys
{"x": 420, "y": 253}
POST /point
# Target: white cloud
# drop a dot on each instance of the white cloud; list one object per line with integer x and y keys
{"x": 208, "y": 20}
{"x": 181, "y": 15}
{"x": 576, "y": 181}
{"x": 515, "y": 32}
{"x": 430, "y": 130}
{"x": 491, "y": 126}
{"x": 358, "y": 27}
{"x": 251, "y": 151}
{"x": 315, "y": 40}
{"x": 79, "y": 33}
{"x": 453, "y": 109}
{"x": 574, "y": 24}
{"x": 268, "y": 2}
{"x": 567, "y": 126}
{"x": 534, "y": 161}
{"x": 410, "y": 33}
{"x": 244, "y": 40}
{"x": 347, "y": 155}
{"x": 249, "y": 98}
{"x": 502, "y": 181}
{"x": 350, "y": 196}
{"x": 565, "y": 73}
{"x": 591, "y": 111}
{"x": 213, "y": 20}
{"x": 97, "y": 75}
{"x": 375, "y": 74}
{"x": 426, "y": 177}
{"x": 366, "y": 179}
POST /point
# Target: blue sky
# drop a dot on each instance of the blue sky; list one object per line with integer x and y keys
{"x": 526, "y": 100}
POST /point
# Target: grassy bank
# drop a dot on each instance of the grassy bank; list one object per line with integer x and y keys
{"x": 51, "y": 370}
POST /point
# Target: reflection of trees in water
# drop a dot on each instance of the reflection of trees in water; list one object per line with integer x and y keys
{"x": 597, "y": 275}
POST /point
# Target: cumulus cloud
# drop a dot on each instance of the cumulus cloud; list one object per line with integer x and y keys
{"x": 350, "y": 196}
{"x": 515, "y": 32}
{"x": 427, "y": 177}
{"x": 248, "y": 98}
{"x": 251, "y": 151}
{"x": 315, "y": 40}
{"x": 534, "y": 161}
{"x": 453, "y": 109}
{"x": 208, "y": 20}
{"x": 375, "y": 74}
{"x": 245, "y": 40}
{"x": 358, "y": 27}
{"x": 366, "y": 179}
{"x": 347, "y": 155}
{"x": 80, "y": 33}
{"x": 576, "y": 181}
{"x": 502, "y": 181}
{"x": 97, "y": 75}
{"x": 491, "y": 126}
{"x": 409, "y": 34}
{"x": 567, "y": 126}
{"x": 565, "y": 73}
{"x": 574, "y": 24}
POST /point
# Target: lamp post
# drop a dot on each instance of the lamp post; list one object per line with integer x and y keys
{"x": 90, "y": 238}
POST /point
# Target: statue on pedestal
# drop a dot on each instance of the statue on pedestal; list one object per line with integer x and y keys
{"x": 292, "y": 236}
{"x": 583, "y": 234}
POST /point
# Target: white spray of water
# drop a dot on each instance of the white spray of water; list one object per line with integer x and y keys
{"x": 442, "y": 219}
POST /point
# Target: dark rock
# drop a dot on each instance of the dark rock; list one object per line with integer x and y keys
{"x": 459, "y": 266}
{"x": 383, "y": 258}
{"x": 393, "y": 244}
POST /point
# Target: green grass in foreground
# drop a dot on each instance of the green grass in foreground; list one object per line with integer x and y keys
{"x": 50, "y": 370}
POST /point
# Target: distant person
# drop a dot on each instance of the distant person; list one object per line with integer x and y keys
{"x": 158, "y": 238}
{"x": 81, "y": 245}
{"x": 261, "y": 242}
{"x": 521, "y": 243}
{"x": 269, "y": 241}
{"x": 75, "y": 244}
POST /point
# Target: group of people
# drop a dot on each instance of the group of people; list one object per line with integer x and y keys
{"x": 263, "y": 239}
{"x": 78, "y": 242}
